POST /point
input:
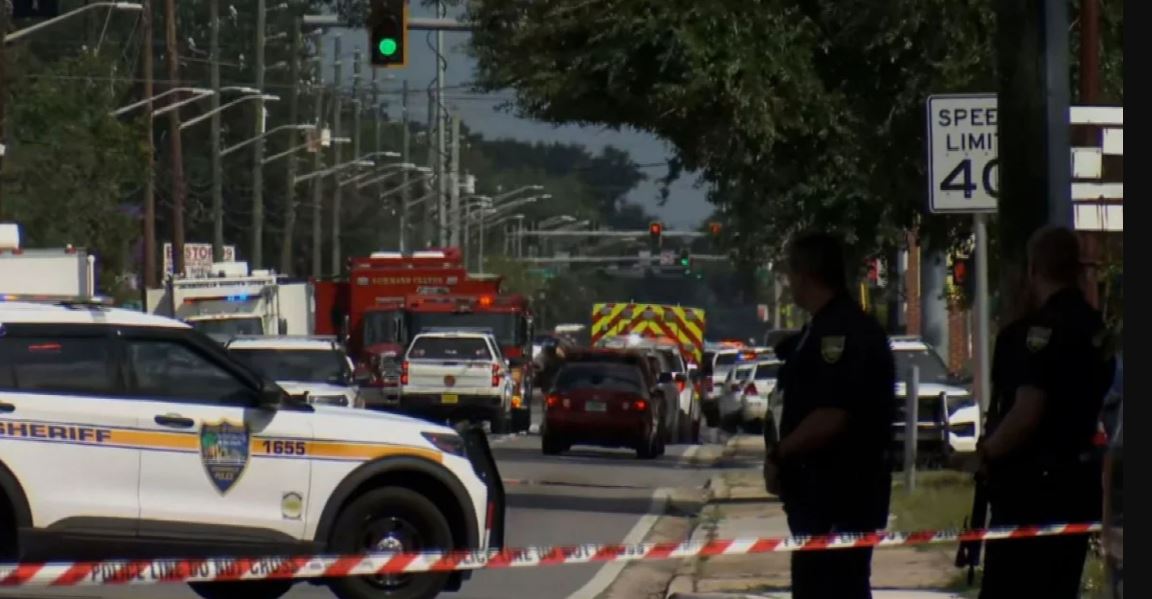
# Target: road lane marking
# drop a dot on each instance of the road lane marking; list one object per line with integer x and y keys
{"x": 606, "y": 575}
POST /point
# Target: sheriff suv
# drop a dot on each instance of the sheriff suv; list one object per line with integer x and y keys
{"x": 131, "y": 436}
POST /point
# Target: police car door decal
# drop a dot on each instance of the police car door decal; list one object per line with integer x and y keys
{"x": 224, "y": 452}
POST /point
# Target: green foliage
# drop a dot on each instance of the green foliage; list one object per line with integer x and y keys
{"x": 70, "y": 164}
{"x": 799, "y": 113}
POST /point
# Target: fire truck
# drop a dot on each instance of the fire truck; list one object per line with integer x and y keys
{"x": 367, "y": 309}
{"x": 508, "y": 317}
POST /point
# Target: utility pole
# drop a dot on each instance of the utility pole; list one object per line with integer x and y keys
{"x": 1089, "y": 94}
{"x": 336, "y": 132}
{"x": 3, "y": 92}
{"x": 217, "y": 166}
{"x": 434, "y": 164}
{"x": 454, "y": 182}
{"x": 441, "y": 155}
{"x": 378, "y": 146}
{"x": 258, "y": 145}
{"x": 288, "y": 238}
{"x": 150, "y": 278}
{"x": 1031, "y": 42}
{"x": 178, "y": 190}
{"x": 318, "y": 182}
{"x": 406, "y": 154}
{"x": 357, "y": 150}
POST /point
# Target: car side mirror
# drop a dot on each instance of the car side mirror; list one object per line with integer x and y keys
{"x": 665, "y": 377}
{"x": 270, "y": 396}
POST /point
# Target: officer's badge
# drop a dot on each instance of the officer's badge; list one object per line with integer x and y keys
{"x": 831, "y": 348}
{"x": 224, "y": 452}
{"x": 1038, "y": 338}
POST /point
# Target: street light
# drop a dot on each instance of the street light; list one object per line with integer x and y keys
{"x": 300, "y": 127}
{"x": 199, "y": 91}
{"x": 15, "y": 35}
{"x": 333, "y": 169}
{"x": 241, "y": 99}
{"x": 305, "y": 145}
{"x": 400, "y": 168}
{"x": 517, "y": 191}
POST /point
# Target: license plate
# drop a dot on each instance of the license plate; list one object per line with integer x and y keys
{"x": 595, "y": 406}
{"x": 449, "y": 398}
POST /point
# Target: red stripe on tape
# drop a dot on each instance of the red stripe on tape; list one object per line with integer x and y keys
{"x": 114, "y": 572}
{"x": 20, "y": 575}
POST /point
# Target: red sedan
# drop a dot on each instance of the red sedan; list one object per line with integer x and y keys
{"x": 604, "y": 398}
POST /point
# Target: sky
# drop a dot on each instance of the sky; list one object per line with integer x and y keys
{"x": 686, "y": 206}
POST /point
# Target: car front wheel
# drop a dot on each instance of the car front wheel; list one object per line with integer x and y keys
{"x": 390, "y": 519}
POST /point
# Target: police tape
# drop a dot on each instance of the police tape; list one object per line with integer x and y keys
{"x": 156, "y": 571}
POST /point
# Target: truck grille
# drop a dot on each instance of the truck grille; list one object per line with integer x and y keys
{"x": 931, "y": 410}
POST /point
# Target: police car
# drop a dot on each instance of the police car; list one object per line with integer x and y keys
{"x": 315, "y": 368}
{"x": 126, "y": 435}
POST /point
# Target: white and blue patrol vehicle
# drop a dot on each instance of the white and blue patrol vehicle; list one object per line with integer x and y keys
{"x": 127, "y": 435}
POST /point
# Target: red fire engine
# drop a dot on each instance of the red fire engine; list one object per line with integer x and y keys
{"x": 367, "y": 308}
{"x": 507, "y": 316}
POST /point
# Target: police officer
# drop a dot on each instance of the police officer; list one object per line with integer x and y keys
{"x": 830, "y": 467}
{"x": 1052, "y": 371}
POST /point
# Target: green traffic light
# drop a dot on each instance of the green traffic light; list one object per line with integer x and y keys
{"x": 388, "y": 46}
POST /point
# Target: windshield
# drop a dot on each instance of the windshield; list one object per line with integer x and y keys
{"x": 603, "y": 376}
{"x": 449, "y": 348}
{"x": 299, "y": 365}
{"x": 229, "y": 327}
{"x": 508, "y": 328}
{"x": 932, "y": 368}
{"x": 381, "y": 327}
{"x": 767, "y": 371}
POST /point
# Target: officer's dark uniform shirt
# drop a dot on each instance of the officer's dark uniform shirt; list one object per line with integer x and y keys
{"x": 1065, "y": 351}
{"x": 842, "y": 359}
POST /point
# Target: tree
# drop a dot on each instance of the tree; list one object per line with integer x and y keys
{"x": 70, "y": 163}
{"x": 799, "y": 113}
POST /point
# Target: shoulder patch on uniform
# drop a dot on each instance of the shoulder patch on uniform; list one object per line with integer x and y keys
{"x": 1038, "y": 338}
{"x": 831, "y": 348}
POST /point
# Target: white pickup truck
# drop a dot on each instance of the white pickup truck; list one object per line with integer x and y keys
{"x": 456, "y": 376}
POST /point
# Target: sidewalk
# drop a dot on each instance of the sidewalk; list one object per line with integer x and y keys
{"x": 741, "y": 508}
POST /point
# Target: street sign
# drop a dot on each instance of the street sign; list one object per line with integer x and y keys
{"x": 197, "y": 258}
{"x": 963, "y": 158}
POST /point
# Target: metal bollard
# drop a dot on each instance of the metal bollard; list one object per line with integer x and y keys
{"x": 911, "y": 426}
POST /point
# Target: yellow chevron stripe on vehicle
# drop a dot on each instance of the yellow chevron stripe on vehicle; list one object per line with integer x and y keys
{"x": 685, "y": 325}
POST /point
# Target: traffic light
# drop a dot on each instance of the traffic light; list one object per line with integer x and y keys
{"x": 964, "y": 274}
{"x": 388, "y": 33}
{"x": 686, "y": 259}
{"x": 714, "y": 228}
{"x": 656, "y": 233}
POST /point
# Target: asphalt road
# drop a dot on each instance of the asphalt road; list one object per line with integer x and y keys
{"x": 587, "y": 495}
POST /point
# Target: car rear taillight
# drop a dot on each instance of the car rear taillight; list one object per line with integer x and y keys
{"x": 750, "y": 389}
{"x": 680, "y": 386}
{"x": 637, "y": 406}
{"x": 404, "y": 373}
{"x": 496, "y": 375}
{"x": 552, "y": 401}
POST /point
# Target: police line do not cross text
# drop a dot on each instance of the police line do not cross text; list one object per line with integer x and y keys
{"x": 963, "y": 153}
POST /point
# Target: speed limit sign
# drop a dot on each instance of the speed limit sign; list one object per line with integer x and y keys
{"x": 963, "y": 158}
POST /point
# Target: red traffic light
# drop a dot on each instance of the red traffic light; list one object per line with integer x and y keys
{"x": 656, "y": 228}
{"x": 960, "y": 272}
{"x": 714, "y": 228}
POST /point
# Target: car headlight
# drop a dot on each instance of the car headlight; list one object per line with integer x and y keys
{"x": 959, "y": 402}
{"x": 965, "y": 429}
{"x": 449, "y": 443}
{"x": 329, "y": 400}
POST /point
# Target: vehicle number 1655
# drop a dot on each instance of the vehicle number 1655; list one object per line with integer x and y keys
{"x": 285, "y": 447}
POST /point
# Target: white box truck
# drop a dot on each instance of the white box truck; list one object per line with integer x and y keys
{"x": 235, "y": 302}
{"x": 66, "y": 271}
